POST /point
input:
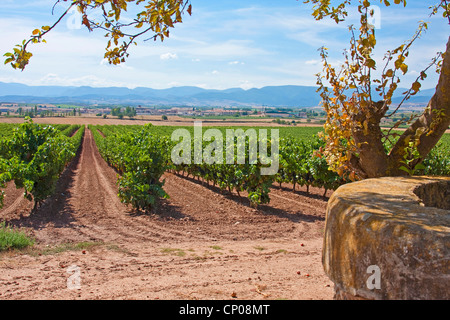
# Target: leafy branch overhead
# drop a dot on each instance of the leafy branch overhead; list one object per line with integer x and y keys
{"x": 155, "y": 20}
{"x": 356, "y": 102}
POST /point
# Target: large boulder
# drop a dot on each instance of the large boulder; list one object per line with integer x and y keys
{"x": 389, "y": 238}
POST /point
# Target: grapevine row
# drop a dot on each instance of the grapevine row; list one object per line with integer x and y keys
{"x": 34, "y": 156}
{"x": 141, "y": 155}
{"x": 140, "y": 158}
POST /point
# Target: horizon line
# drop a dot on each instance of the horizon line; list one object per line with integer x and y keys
{"x": 177, "y": 86}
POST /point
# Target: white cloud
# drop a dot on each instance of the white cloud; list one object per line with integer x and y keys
{"x": 174, "y": 84}
{"x": 168, "y": 56}
{"x": 231, "y": 63}
{"x": 230, "y": 49}
{"x": 202, "y": 85}
{"x": 246, "y": 85}
{"x": 87, "y": 80}
{"x": 312, "y": 62}
{"x": 123, "y": 65}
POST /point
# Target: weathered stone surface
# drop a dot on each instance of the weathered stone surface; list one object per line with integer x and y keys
{"x": 401, "y": 227}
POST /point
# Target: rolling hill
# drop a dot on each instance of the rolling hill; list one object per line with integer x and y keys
{"x": 276, "y": 96}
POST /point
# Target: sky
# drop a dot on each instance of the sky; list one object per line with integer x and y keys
{"x": 224, "y": 44}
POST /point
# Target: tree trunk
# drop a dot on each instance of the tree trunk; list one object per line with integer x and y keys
{"x": 430, "y": 126}
{"x": 372, "y": 161}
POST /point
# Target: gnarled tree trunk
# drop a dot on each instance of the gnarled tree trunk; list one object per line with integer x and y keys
{"x": 372, "y": 161}
{"x": 431, "y": 125}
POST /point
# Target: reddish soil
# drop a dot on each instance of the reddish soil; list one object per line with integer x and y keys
{"x": 199, "y": 244}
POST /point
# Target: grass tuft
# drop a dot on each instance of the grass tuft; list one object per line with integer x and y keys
{"x": 13, "y": 239}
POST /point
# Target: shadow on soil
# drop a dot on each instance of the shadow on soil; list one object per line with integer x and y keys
{"x": 164, "y": 211}
{"x": 263, "y": 209}
{"x": 293, "y": 217}
{"x": 304, "y": 193}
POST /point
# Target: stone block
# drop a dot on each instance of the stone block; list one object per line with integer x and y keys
{"x": 389, "y": 238}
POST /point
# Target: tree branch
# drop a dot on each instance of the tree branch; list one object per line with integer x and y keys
{"x": 431, "y": 125}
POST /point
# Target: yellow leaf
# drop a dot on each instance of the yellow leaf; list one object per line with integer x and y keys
{"x": 9, "y": 60}
{"x": 168, "y": 21}
{"x": 399, "y": 61}
{"x": 371, "y": 40}
{"x": 370, "y": 63}
{"x": 416, "y": 86}
{"x": 404, "y": 68}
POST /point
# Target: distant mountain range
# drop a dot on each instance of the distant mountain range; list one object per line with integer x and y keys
{"x": 275, "y": 96}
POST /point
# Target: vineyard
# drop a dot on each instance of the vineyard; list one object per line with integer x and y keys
{"x": 141, "y": 155}
{"x": 202, "y": 231}
{"x": 34, "y": 156}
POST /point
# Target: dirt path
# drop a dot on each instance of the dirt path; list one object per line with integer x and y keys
{"x": 201, "y": 245}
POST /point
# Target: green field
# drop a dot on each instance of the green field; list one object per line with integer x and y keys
{"x": 304, "y": 133}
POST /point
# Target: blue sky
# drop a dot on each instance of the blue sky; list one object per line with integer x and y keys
{"x": 224, "y": 44}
